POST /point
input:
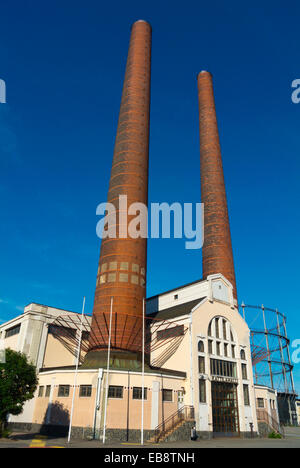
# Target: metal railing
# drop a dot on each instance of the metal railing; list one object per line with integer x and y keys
{"x": 186, "y": 413}
{"x": 264, "y": 416}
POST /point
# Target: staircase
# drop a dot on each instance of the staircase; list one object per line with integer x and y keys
{"x": 265, "y": 417}
{"x": 172, "y": 423}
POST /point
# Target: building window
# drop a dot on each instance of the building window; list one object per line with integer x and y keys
{"x": 176, "y": 297}
{"x": 48, "y": 389}
{"x": 63, "y": 390}
{"x": 224, "y": 330}
{"x": 85, "y": 391}
{"x": 260, "y": 403}
{"x": 244, "y": 371}
{"x": 209, "y": 330}
{"x": 115, "y": 391}
{"x": 222, "y": 368}
{"x": 123, "y": 277}
{"x": 111, "y": 277}
{"x": 200, "y": 346}
{"x": 218, "y": 348}
{"x": 63, "y": 332}
{"x": 201, "y": 364}
{"x": 246, "y": 395}
{"x": 217, "y": 335}
{"x": 167, "y": 394}
{"x": 124, "y": 266}
{"x": 202, "y": 391}
{"x": 137, "y": 393}
{"x": 225, "y": 349}
{"x": 243, "y": 355}
{"x": 233, "y": 351}
{"x": 41, "y": 391}
{"x": 170, "y": 332}
{"x": 272, "y": 404}
{"x": 12, "y": 331}
{"x": 85, "y": 335}
{"x": 210, "y": 343}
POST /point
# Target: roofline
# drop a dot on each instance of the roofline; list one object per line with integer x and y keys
{"x": 51, "y": 307}
{"x": 175, "y": 289}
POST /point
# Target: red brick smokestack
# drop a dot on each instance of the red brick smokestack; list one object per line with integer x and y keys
{"x": 122, "y": 264}
{"x": 217, "y": 254}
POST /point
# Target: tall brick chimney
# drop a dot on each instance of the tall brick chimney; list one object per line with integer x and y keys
{"x": 122, "y": 265}
{"x": 217, "y": 254}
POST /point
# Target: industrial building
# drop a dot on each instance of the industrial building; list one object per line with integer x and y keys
{"x": 162, "y": 365}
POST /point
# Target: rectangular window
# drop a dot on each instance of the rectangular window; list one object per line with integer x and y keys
{"x": 202, "y": 391}
{"x": 115, "y": 391}
{"x": 225, "y": 349}
{"x": 60, "y": 331}
{"x": 12, "y": 331}
{"x": 201, "y": 364}
{"x": 217, "y": 328}
{"x": 222, "y": 368}
{"x": 224, "y": 330}
{"x": 41, "y": 391}
{"x": 137, "y": 393}
{"x": 218, "y": 349}
{"x": 170, "y": 332}
{"x": 48, "y": 389}
{"x": 210, "y": 343}
{"x": 63, "y": 390}
{"x": 85, "y": 391}
{"x": 167, "y": 395}
{"x": 233, "y": 351}
{"x": 260, "y": 403}
{"x": 244, "y": 371}
{"x": 85, "y": 335}
{"x": 246, "y": 395}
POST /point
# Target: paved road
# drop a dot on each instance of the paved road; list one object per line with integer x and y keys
{"x": 291, "y": 440}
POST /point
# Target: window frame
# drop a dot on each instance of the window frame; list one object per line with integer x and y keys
{"x": 260, "y": 400}
{"x": 167, "y": 400}
{"x": 246, "y": 395}
{"x": 115, "y": 388}
{"x": 82, "y": 387}
{"x": 139, "y": 396}
{"x": 64, "y": 388}
{"x": 12, "y": 331}
{"x": 202, "y": 392}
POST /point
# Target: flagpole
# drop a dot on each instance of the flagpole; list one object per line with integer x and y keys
{"x": 76, "y": 370}
{"x": 143, "y": 374}
{"x": 107, "y": 370}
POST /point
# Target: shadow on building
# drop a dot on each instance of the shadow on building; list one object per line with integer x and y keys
{"x": 56, "y": 420}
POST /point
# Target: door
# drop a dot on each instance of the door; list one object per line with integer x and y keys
{"x": 180, "y": 399}
{"x": 225, "y": 409}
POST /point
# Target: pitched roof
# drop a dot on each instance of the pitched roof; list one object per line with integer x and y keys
{"x": 176, "y": 311}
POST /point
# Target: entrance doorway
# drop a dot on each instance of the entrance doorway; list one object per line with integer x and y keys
{"x": 225, "y": 409}
{"x": 180, "y": 399}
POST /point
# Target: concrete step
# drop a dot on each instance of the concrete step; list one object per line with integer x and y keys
{"x": 163, "y": 436}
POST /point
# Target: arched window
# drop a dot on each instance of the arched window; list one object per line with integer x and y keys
{"x": 243, "y": 355}
{"x": 200, "y": 346}
{"x": 222, "y": 341}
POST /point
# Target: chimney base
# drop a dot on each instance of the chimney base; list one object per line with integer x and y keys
{"x": 119, "y": 360}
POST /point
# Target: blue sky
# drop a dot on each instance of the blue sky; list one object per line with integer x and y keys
{"x": 63, "y": 63}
